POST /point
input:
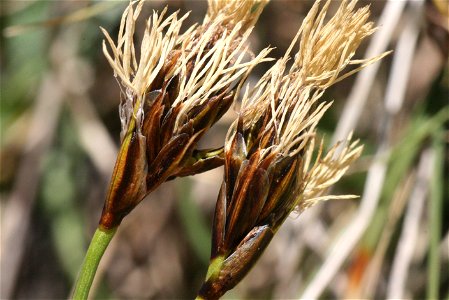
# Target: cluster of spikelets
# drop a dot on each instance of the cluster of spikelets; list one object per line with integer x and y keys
{"x": 179, "y": 84}
{"x": 173, "y": 90}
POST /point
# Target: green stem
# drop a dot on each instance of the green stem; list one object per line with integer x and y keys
{"x": 212, "y": 288}
{"x": 98, "y": 245}
{"x": 435, "y": 210}
{"x": 215, "y": 267}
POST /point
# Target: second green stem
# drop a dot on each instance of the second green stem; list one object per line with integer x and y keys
{"x": 97, "y": 247}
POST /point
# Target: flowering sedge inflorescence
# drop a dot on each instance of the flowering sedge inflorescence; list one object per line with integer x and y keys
{"x": 270, "y": 169}
{"x": 177, "y": 85}
{"x": 173, "y": 90}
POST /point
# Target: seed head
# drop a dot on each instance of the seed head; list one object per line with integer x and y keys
{"x": 173, "y": 90}
{"x": 269, "y": 150}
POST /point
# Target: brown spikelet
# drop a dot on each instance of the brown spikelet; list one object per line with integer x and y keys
{"x": 174, "y": 88}
{"x": 268, "y": 151}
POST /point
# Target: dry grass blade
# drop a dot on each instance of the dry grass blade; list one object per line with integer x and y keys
{"x": 409, "y": 234}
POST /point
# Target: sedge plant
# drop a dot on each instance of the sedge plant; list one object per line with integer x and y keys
{"x": 178, "y": 85}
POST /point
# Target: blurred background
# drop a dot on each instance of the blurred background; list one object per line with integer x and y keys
{"x": 60, "y": 134}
